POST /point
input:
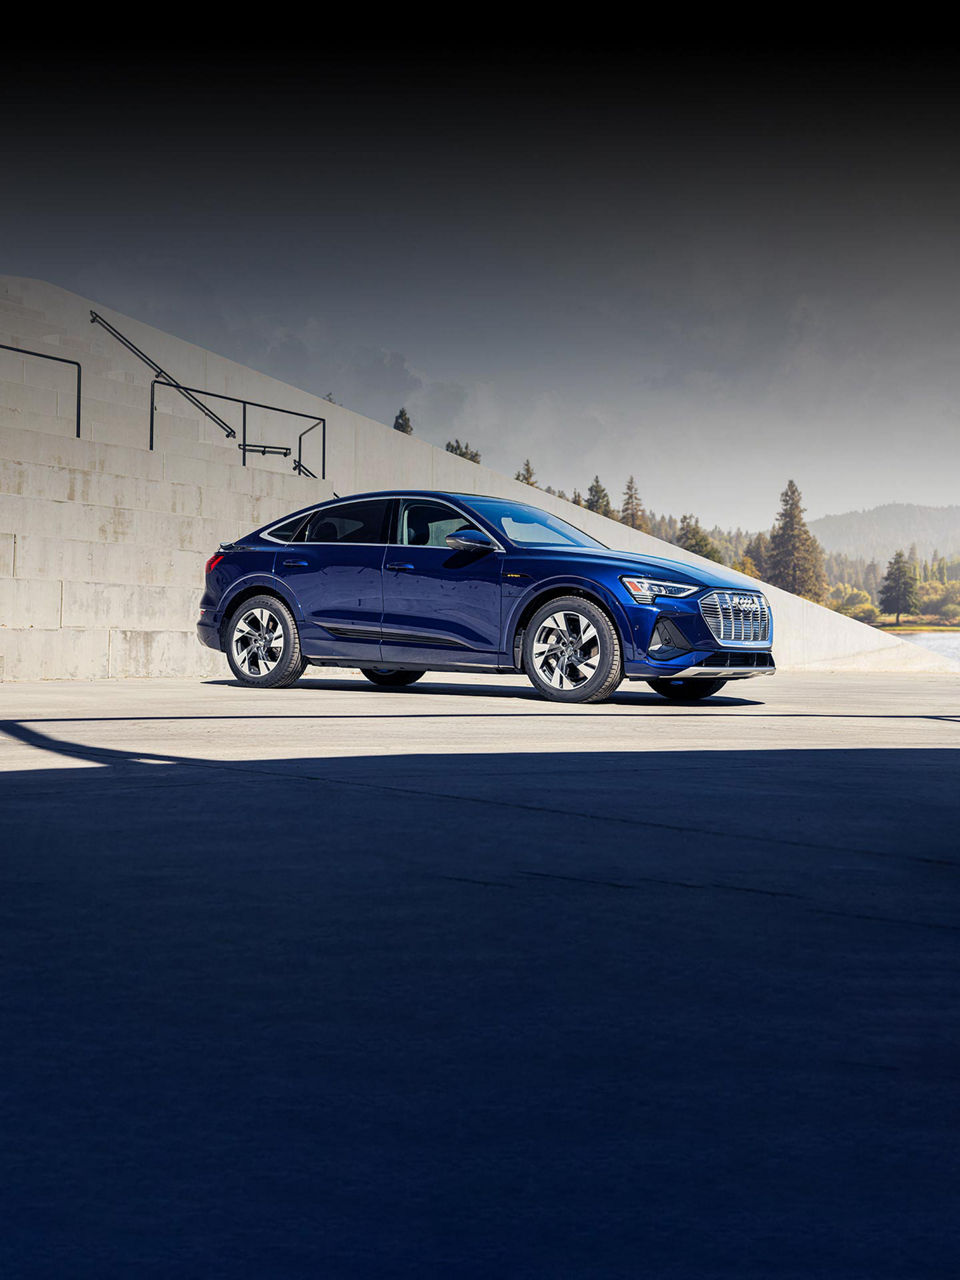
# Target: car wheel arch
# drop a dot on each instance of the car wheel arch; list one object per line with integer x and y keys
{"x": 529, "y": 605}
{"x": 249, "y": 588}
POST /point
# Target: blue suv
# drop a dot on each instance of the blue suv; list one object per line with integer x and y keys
{"x": 397, "y": 584}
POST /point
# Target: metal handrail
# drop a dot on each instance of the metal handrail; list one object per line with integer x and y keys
{"x": 162, "y": 374}
{"x": 299, "y": 466}
{"x": 43, "y": 355}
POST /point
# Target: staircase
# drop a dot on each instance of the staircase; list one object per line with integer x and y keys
{"x": 102, "y": 540}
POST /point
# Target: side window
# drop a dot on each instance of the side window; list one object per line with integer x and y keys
{"x": 287, "y": 532}
{"x": 349, "y": 522}
{"x": 426, "y": 524}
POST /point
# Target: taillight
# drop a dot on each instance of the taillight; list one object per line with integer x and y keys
{"x": 213, "y": 562}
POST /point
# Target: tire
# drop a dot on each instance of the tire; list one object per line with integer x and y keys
{"x": 686, "y": 690}
{"x": 560, "y": 632}
{"x": 264, "y": 665}
{"x": 390, "y": 677}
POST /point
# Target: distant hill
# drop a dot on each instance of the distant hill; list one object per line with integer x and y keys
{"x": 876, "y": 534}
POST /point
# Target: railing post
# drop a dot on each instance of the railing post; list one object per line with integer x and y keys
{"x": 153, "y": 405}
{"x": 243, "y": 449}
{"x": 79, "y": 374}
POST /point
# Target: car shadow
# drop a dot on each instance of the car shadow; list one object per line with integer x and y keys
{"x": 623, "y": 697}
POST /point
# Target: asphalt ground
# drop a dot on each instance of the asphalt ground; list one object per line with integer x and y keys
{"x": 337, "y": 982}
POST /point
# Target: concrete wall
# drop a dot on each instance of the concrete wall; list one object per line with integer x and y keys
{"x": 103, "y": 542}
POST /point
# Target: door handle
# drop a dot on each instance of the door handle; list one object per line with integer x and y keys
{"x": 399, "y": 566}
{"x": 295, "y": 564}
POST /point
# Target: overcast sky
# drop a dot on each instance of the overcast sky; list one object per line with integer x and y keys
{"x": 714, "y": 271}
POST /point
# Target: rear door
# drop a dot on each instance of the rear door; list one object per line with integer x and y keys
{"x": 335, "y": 569}
{"x": 439, "y": 606}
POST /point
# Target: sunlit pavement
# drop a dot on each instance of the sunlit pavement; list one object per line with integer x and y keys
{"x": 333, "y": 982}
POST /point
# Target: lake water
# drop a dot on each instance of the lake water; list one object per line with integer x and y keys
{"x": 944, "y": 642}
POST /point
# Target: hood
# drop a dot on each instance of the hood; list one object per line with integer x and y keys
{"x": 712, "y": 575}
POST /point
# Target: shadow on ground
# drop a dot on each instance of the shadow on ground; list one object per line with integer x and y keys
{"x": 690, "y": 1014}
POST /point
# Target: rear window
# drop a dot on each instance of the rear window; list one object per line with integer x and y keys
{"x": 350, "y": 522}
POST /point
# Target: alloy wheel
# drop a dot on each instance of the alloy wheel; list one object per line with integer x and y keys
{"x": 258, "y": 642}
{"x": 566, "y": 650}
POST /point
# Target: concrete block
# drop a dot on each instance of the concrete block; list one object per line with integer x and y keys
{"x": 6, "y": 554}
{"x": 67, "y": 484}
{"x": 132, "y": 606}
{"x": 20, "y": 445}
{"x": 46, "y": 424}
{"x": 54, "y": 655}
{"x": 11, "y": 366}
{"x": 30, "y": 602}
{"x": 76, "y": 561}
{"x": 162, "y": 653}
{"x": 18, "y": 397}
{"x": 155, "y": 529}
{"x": 206, "y": 472}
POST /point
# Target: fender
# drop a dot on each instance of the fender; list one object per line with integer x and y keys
{"x": 269, "y": 583}
{"x": 565, "y": 582}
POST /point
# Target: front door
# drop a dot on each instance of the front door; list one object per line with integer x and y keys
{"x": 336, "y": 573}
{"x": 439, "y": 606}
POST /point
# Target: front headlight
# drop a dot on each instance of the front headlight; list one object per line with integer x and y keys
{"x": 646, "y": 590}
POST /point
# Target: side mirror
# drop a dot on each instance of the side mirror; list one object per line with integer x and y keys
{"x": 469, "y": 540}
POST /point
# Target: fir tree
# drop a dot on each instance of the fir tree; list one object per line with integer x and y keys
{"x": 577, "y": 498}
{"x": 526, "y": 474}
{"x": 463, "y": 450}
{"x": 632, "y": 512}
{"x": 402, "y": 423}
{"x": 898, "y": 591}
{"x": 598, "y": 499}
{"x": 757, "y": 550}
{"x": 795, "y": 562}
{"x": 692, "y": 537}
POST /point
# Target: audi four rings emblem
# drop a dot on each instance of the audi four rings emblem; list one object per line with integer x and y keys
{"x": 746, "y": 602}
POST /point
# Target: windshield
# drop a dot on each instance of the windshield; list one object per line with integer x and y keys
{"x": 529, "y": 527}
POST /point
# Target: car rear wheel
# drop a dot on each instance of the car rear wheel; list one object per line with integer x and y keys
{"x": 263, "y": 644}
{"x": 571, "y": 651}
{"x": 686, "y": 690}
{"x": 390, "y": 677}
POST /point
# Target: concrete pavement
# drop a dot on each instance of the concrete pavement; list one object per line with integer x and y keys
{"x": 451, "y": 981}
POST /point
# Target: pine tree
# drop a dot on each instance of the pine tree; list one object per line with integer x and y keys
{"x": 692, "y": 537}
{"x": 598, "y": 499}
{"x": 463, "y": 450}
{"x": 632, "y": 512}
{"x": 577, "y": 498}
{"x": 402, "y": 423}
{"x": 757, "y": 550}
{"x": 795, "y": 562}
{"x": 898, "y": 591}
{"x": 526, "y": 474}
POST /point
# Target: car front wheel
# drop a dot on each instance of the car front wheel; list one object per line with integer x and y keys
{"x": 686, "y": 690}
{"x": 571, "y": 651}
{"x": 263, "y": 644}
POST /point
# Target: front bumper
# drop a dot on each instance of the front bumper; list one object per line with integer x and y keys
{"x": 710, "y": 673}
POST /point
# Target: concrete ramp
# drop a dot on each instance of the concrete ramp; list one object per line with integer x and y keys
{"x": 103, "y": 539}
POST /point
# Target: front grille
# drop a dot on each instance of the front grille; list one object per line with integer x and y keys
{"x": 733, "y": 621}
